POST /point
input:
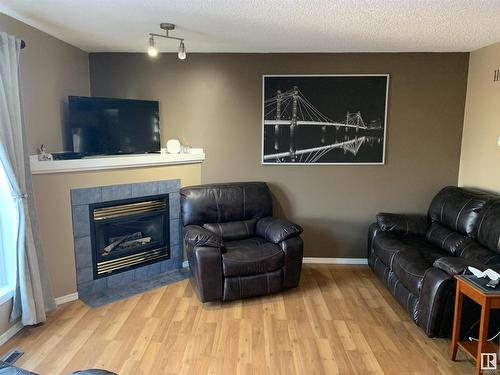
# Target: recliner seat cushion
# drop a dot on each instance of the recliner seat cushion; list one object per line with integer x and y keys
{"x": 233, "y": 230}
{"x": 426, "y": 250}
{"x": 457, "y": 208}
{"x": 251, "y": 256}
{"x": 410, "y": 270}
{"x": 387, "y": 245}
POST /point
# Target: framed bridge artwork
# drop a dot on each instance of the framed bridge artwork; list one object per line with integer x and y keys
{"x": 324, "y": 119}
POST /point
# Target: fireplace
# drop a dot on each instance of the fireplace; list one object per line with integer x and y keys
{"x": 125, "y": 237}
{"x": 130, "y": 233}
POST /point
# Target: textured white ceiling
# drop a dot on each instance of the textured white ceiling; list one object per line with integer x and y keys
{"x": 267, "y": 25}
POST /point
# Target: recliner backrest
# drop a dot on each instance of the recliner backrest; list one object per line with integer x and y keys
{"x": 487, "y": 228}
{"x": 466, "y": 223}
{"x": 221, "y": 203}
{"x": 457, "y": 209}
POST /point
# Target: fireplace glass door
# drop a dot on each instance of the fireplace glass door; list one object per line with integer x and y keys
{"x": 128, "y": 234}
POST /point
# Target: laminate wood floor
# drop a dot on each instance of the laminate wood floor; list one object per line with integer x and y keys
{"x": 341, "y": 320}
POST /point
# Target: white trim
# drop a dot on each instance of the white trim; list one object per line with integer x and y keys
{"x": 315, "y": 260}
{"x": 387, "y": 75}
{"x": 7, "y": 335}
{"x": 112, "y": 162}
{"x": 67, "y": 298}
{"x": 6, "y": 293}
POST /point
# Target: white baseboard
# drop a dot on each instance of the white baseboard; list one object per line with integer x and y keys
{"x": 315, "y": 260}
{"x": 67, "y": 298}
{"x": 7, "y": 335}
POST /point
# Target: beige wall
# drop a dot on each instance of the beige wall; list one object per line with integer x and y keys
{"x": 52, "y": 193}
{"x": 50, "y": 71}
{"x": 214, "y": 101}
{"x": 480, "y": 157}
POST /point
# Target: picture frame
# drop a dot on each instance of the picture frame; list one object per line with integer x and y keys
{"x": 317, "y": 119}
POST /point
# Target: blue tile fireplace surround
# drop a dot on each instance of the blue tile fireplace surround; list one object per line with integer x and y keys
{"x": 96, "y": 290}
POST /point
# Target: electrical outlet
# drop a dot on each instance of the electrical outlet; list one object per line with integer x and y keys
{"x": 498, "y": 141}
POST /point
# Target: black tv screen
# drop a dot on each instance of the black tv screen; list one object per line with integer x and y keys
{"x": 109, "y": 126}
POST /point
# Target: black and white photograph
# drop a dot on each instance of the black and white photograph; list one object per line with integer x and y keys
{"x": 324, "y": 119}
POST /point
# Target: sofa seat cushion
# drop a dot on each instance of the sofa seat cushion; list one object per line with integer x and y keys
{"x": 426, "y": 250}
{"x": 251, "y": 256}
{"x": 387, "y": 245}
{"x": 410, "y": 268}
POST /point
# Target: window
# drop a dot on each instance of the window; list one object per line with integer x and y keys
{"x": 8, "y": 237}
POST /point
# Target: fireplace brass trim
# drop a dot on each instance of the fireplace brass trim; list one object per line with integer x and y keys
{"x": 129, "y": 209}
{"x": 108, "y": 266}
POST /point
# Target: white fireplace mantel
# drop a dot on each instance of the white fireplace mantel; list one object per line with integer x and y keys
{"x": 112, "y": 162}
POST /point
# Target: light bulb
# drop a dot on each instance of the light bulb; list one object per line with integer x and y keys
{"x": 152, "y": 51}
{"x": 182, "y": 51}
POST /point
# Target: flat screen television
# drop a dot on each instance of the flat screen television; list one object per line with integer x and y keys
{"x": 108, "y": 126}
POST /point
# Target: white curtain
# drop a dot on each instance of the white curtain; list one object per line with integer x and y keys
{"x": 33, "y": 294}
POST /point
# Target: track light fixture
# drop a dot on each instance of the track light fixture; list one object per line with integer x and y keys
{"x": 153, "y": 52}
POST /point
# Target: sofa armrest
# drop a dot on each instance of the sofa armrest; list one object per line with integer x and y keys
{"x": 197, "y": 236}
{"x": 276, "y": 230}
{"x": 403, "y": 224}
{"x": 456, "y": 266}
{"x": 435, "y": 305}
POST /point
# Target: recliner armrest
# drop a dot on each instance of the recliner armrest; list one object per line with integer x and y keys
{"x": 403, "y": 224}
{"x": 277, "y": 230}
{"x": 198, "y": 236}
{"x": 456, "y": 266}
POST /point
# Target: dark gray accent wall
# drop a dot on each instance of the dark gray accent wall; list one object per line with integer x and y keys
{"x": 214, "y": 101}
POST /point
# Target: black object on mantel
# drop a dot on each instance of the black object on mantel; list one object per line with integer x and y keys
{"x": 66, "y": 155}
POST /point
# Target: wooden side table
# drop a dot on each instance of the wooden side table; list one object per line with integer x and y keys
{"x": 489, "y": 300}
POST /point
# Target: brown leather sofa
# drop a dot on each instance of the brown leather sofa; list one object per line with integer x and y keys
{"x": 417, "y": 256}
{"x": 235, "y": 247}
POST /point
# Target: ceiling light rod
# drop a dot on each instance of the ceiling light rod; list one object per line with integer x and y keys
{"x": 167, "y": 27}
{"x": 153, "y": 52}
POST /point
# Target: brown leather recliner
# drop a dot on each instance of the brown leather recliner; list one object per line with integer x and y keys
{"x": 235, "y": 247}
{"x": 417, "y": 257}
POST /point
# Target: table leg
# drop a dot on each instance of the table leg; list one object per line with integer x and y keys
{"x": 483, "y": 333}
{"x": 456, "y": 322}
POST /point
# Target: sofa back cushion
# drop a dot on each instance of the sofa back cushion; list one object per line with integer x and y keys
{"x": 233, "y": 230}
{"x": 487, "y": 230}
{"x": 446, "y": 239}
{"x": 220, "y": 203}
{"x": 457, "y": 208}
